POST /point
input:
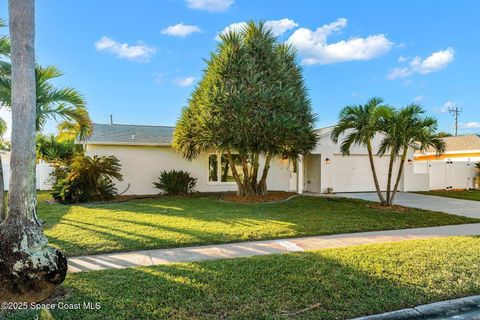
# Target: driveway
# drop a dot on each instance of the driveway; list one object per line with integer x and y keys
{"x": 458, "y": 207}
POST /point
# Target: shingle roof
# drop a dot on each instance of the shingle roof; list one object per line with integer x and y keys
{"x": 131, "y": 134}
{"x": 461, "y": 143}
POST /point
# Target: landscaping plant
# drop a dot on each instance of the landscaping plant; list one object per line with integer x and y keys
{"x": 251, "y": 103}
{"x": 175, "y": 182}
{"x": 87, "y": 179}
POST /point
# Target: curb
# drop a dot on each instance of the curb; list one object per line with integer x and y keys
{"x": 443, "y": 308}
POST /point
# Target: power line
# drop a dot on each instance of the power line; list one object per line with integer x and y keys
{"x": 455, "y": 111}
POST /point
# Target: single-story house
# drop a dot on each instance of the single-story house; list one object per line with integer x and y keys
{"x": 145, "y": 151}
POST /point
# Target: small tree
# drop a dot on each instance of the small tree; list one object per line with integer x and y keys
{"x": 251, "y": 104}
{"x": 406, "y": 129}
{"x": 360, "y": 124}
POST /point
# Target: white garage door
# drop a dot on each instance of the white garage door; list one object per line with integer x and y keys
{"x": 353, "y": 173}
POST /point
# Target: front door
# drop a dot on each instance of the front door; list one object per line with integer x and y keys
{"x": 312, "y": 169}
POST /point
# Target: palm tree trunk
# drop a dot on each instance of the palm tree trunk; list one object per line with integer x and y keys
{"x": 400, "y": 172}
{"x": 374, "y": 172}
{"x": 389, "y": 181}
{"x": 29, "y": 269}
{"x": 2, "y": 193}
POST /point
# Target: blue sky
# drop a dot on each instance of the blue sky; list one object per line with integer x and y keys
{"x": 125, "y": 59}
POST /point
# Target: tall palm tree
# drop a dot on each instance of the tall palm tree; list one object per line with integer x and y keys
{"x": 404, "y": 130}
{"x": 360, "y": 124}
{"x": 29, "y": 269}
{"x": 3, "y": 146}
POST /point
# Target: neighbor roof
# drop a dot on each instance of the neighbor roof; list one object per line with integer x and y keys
{"x": 125, "y": 134}
{"x": 461, "y": 143}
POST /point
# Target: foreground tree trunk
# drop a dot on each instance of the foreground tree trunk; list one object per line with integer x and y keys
{"x": 399, "y": 175}
{"x": 374, "y": 172}
{"x": 250, "y": 185}
{"x": 2, "y": 193}
{"x": 389, "y": 181}
{"x": 29, "y": 269}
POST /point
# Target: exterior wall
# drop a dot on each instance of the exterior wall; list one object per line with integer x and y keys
{"x": 141, "y": 166}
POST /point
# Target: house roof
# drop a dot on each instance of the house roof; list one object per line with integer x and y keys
{"x": 126, "y": 134}
{"x": 461, "y": 143}
{"x": 123, "y": 134}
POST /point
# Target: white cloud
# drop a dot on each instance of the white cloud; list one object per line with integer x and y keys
{"x": 436, "y": 61}
{"x": 278, "y": 27}
{"x": 401, "y": 59}
{"x": 210, "y": 5}
{"x": 140, "y": 52}
{"x": 469, "y": 125}
{"x": 180, "y": 30}
{"x": 313, "y": 46}
{"x": 418, "y": 99}
{"x": 446, "y": 106}
{"x": 184, "y": 82}
{"x": 281, "y": 26}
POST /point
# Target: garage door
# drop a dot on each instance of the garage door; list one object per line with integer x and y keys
{"x": 353, "y": 174}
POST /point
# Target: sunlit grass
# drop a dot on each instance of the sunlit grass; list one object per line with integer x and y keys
{"x": 175, "y": 222}
{"x": 340, "y": 283}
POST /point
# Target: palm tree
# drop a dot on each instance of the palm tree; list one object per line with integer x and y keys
{"x": 403, "y": 130}
{"x": 360, "y": 124}
{"x": 4, "y": 42}
{"x": 29, "y": 269}
{"x": 51, "y": 102}
{"x": 3, "y": 146}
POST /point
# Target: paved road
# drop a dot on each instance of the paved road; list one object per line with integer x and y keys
{"x": 253, "y": 248}
{"x": 458, "y": 207}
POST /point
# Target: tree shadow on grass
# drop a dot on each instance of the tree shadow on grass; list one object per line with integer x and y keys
{"x": 263, "y": 287}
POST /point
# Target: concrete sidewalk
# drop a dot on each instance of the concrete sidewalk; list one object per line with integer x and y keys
{"x": 254, "y": 248}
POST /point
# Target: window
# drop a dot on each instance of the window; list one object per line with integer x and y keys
{"x": 219, "y": 168}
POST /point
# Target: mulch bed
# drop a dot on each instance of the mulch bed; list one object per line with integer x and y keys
{"x": 272, "y": 196}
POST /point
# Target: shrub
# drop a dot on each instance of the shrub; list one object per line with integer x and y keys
{"x": 86, "y": 179}
{"x": 175, "y": 182}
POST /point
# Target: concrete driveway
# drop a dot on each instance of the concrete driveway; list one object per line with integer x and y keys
{"x": 458, "y": 207}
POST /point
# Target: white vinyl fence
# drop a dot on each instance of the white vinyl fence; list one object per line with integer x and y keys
{"x": 43, "y": 174}
{"x": 447, "y": 174}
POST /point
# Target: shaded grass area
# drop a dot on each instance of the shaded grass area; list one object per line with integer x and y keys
{"x": 463, "y": 194}
{"x": 175, "y": 222}
{"x": 341, "y": 283}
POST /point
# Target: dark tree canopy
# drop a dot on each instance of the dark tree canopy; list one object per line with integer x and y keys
{"x": 251, "y": 101}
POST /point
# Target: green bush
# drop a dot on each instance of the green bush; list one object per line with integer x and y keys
{"x": 86, "y": 179}
{"x": 175, "y": 182}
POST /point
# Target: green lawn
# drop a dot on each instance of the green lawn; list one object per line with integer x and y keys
{"x": 464, "y": 195}
{"x": 342, "y": 283}
{"x": 174, "y": 222}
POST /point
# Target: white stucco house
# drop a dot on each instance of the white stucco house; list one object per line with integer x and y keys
{"x": 145, "y": 151}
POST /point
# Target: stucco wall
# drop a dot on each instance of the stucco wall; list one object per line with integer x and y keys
{"x": 141, "y": 166}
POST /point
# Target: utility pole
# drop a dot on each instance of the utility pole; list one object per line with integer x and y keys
{"x": 455, "y": 111}
{"x": 111, "y": 119}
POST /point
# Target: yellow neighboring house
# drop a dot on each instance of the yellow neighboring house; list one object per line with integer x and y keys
{"x": 460, "y": 148}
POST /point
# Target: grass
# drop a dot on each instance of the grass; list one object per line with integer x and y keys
{"x": 341, "y": 283}
{"x": 174, "y": 222}
{"x": 461, "y": 194}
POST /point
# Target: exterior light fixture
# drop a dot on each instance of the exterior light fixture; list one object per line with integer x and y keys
{"x": 327, "y": 160}
{"x": 410, "y": 161}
